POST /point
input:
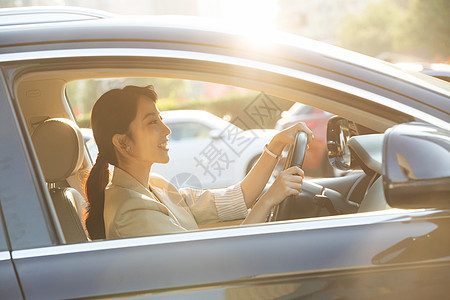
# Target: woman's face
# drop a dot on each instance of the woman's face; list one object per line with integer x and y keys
{"x": 149, "y": 135}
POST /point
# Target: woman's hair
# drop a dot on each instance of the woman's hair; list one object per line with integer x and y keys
{"x": 112, "y": 114}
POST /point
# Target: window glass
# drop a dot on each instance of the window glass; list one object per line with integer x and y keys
{"x": 186, "y": 130}
{"x": 197, "y": 113}
{"x": 217, "y": 131}
{"x": 224, "y": 109}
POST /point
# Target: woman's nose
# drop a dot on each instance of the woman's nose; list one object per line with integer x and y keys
{"x": 167, "y": 130}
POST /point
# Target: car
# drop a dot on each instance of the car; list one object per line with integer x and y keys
{"x": 381, "y": 231}
{"x": 192, "y": 133}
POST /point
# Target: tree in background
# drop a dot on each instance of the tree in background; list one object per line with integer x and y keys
{"x": 426, "y": 29}
{"x": 372, "y": 31}
{"x": 411, "y": 27}
{"x": 82, "y": 94}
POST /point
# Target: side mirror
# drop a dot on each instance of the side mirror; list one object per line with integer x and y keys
{"x": 416, "y": 166}
{"x": 338, "y": 133}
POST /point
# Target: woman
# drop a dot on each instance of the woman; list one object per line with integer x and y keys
{"x": 131, "y": 135}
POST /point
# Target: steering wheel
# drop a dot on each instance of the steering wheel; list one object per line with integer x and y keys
{"x": 295, "y": 157}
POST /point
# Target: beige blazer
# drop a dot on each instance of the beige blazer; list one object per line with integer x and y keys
{"x": 134, "y": 210}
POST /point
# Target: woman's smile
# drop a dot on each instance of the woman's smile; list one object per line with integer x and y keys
{"x": 164, "y": 146}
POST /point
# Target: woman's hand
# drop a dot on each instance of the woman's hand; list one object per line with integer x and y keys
{"x": 288, "y": 183}
{"x": 287, "y": 136}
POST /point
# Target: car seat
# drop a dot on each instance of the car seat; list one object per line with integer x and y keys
{"x": 60, "y": 149}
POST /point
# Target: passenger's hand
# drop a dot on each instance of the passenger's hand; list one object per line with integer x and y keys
{"x": 288, "y": 183}
{"x": 287, "y": 136}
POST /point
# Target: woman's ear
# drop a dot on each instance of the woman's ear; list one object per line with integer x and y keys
{"x": 120, "y": 143}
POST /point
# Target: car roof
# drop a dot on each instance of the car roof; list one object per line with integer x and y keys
{"x": 172, "y": 28}
{"x": 48, "y": 14}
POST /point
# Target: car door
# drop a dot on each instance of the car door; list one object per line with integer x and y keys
{"x": 9, "y": 287}
{"x": 343, "y": 256}
{"x": 372, "y": 254}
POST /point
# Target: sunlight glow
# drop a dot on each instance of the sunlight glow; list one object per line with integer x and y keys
{"x": 410, "y": 66}
{"x": 251, "y": 13}
{"x": 255, "y": 18}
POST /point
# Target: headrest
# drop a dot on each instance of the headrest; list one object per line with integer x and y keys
{"x": 59, "y": 147}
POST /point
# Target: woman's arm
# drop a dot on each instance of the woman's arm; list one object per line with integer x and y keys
{"x": 255, "y": 181}
{"x": 289, "y": 182}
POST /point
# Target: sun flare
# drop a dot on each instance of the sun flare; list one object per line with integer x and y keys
{"x": 254, "y": 18}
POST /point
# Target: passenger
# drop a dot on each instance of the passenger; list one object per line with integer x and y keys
{"x": 131, "y": 136}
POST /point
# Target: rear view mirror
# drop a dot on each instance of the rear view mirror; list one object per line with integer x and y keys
{"x": 338, "y": 133}
{"x": 416, "y": 166}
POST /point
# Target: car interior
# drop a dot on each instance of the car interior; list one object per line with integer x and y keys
{"x": 65, "y": 162}
{"x": 59, "y": 145}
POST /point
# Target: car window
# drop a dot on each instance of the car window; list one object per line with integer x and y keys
{"x": 234, "y": 122}
{"x": 243, "y": 122}
{"x": 227, "y": 128}
{"x": 187, "y": 130}
{"x": 196, "y": 110}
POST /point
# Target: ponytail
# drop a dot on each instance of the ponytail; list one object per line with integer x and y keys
{"x": 95, "y": 193}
